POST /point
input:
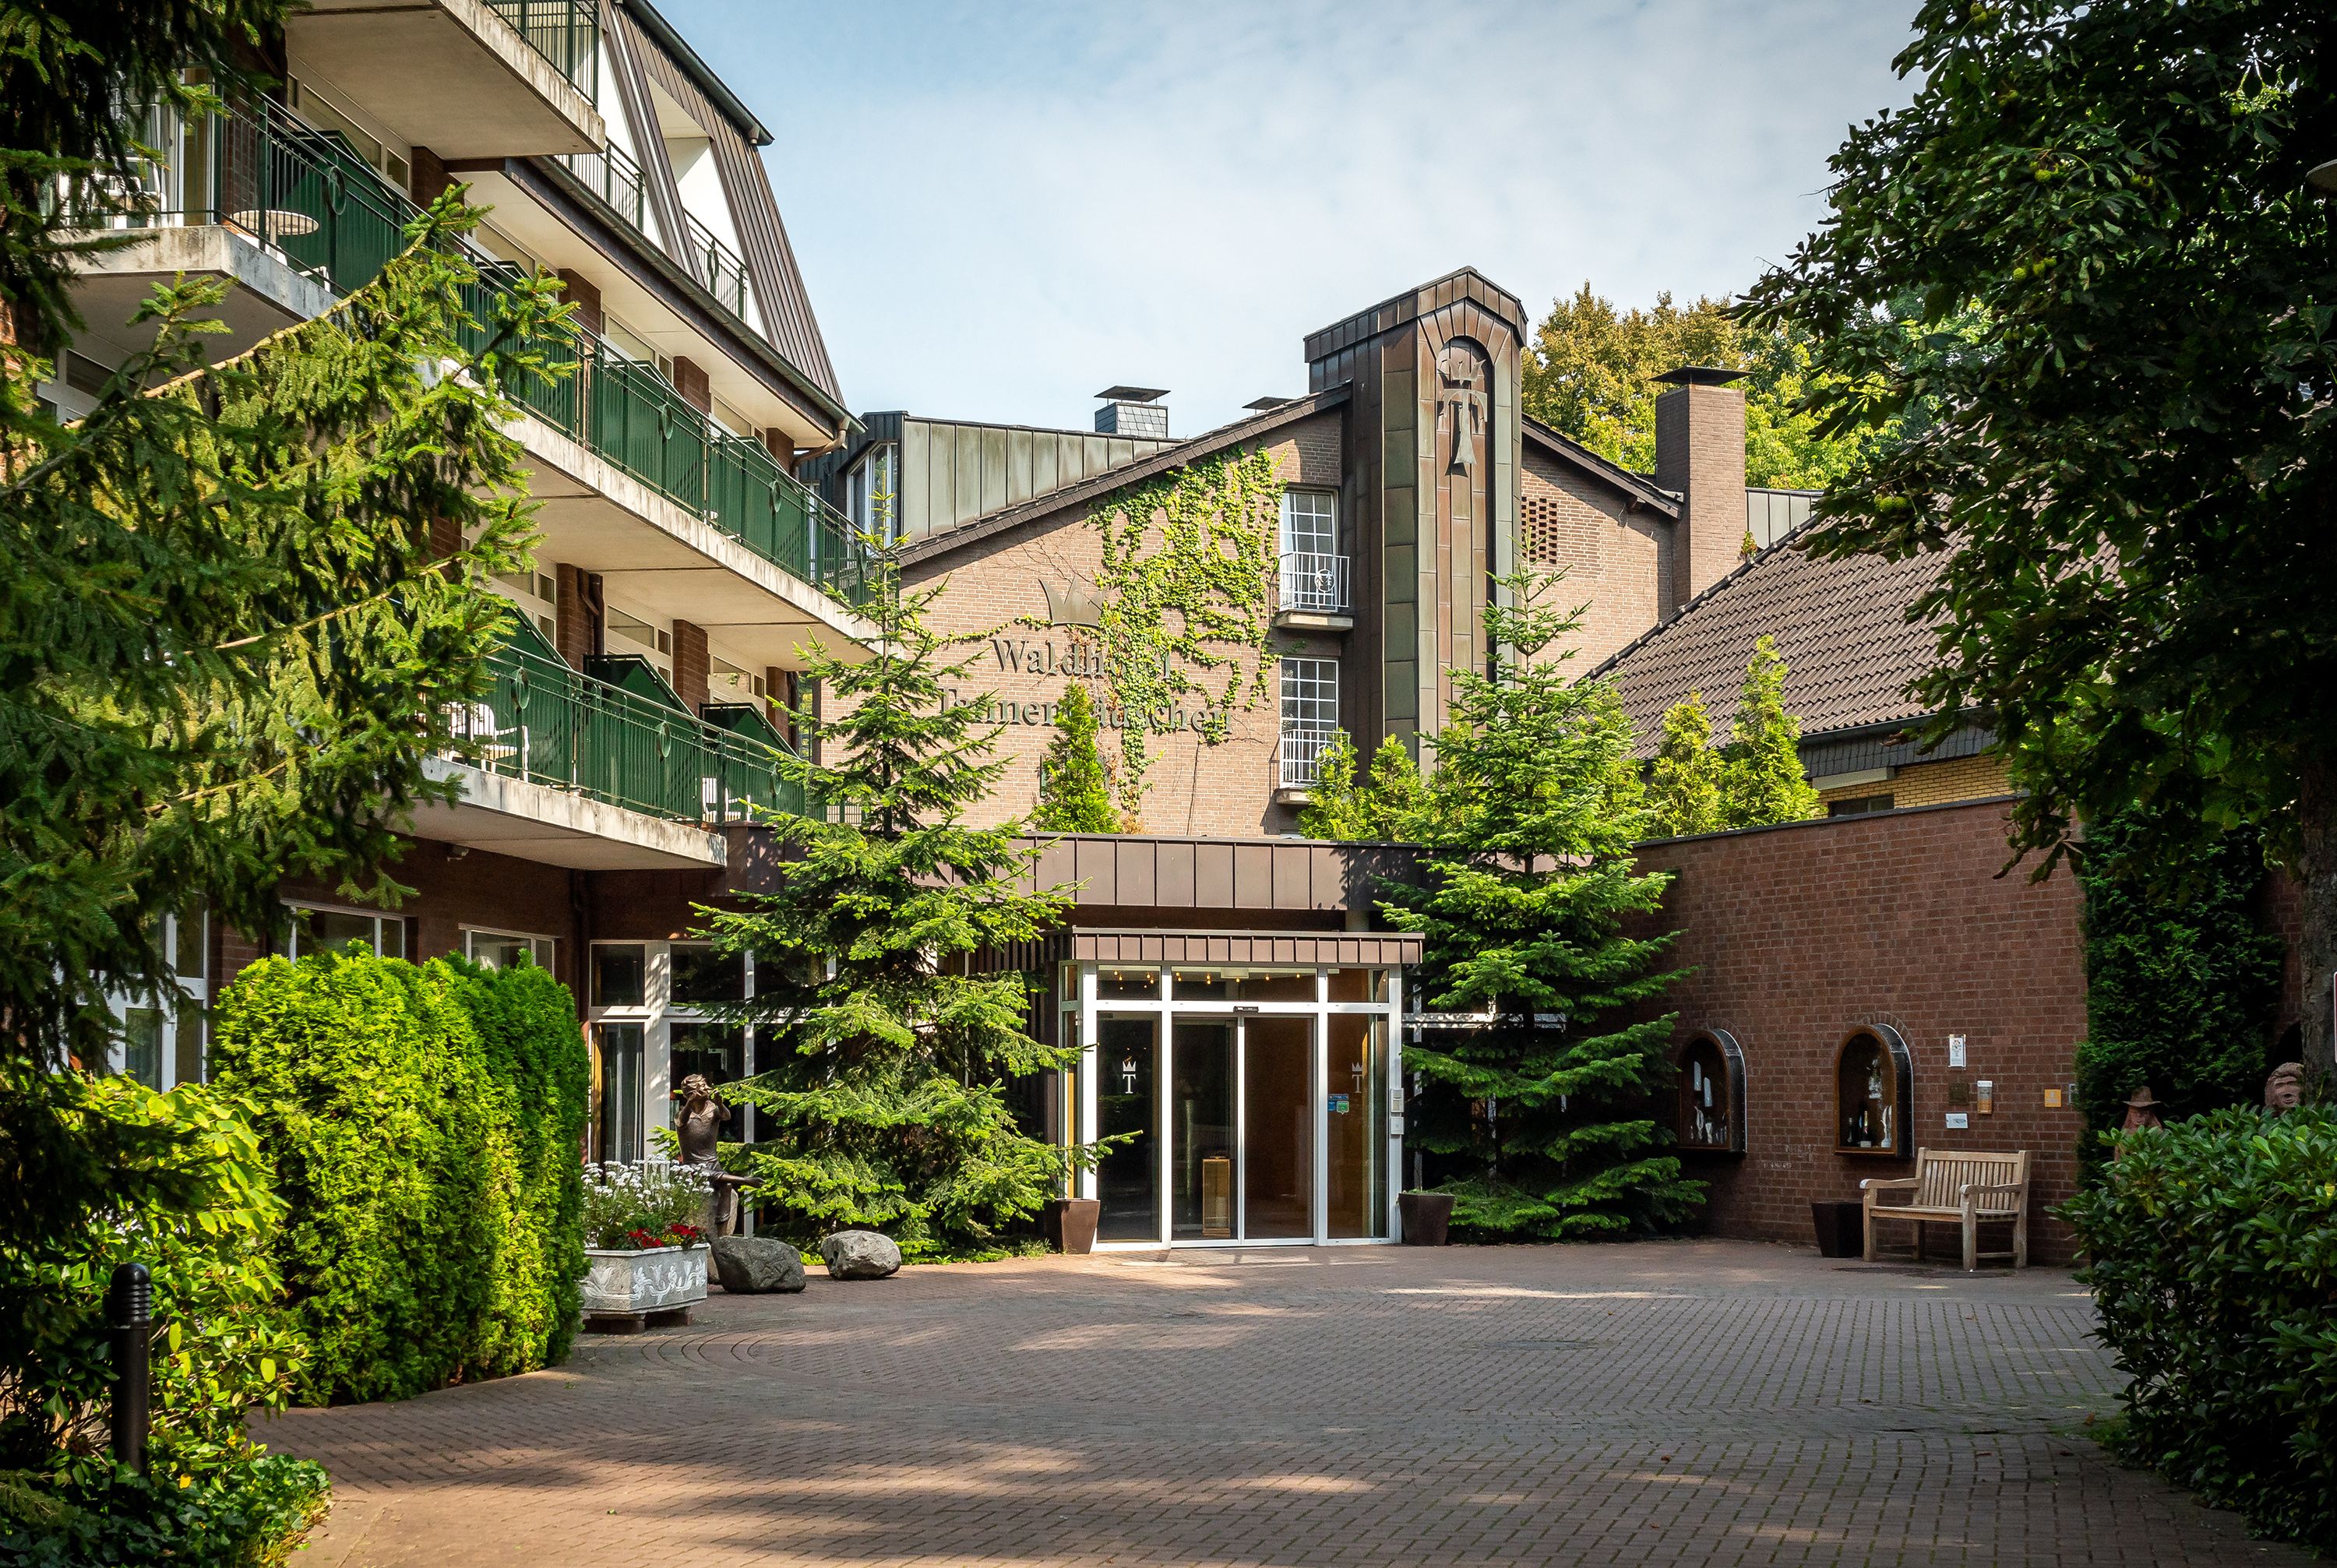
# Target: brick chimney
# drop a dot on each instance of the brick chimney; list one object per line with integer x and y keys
{"x": 1700, "y": 452}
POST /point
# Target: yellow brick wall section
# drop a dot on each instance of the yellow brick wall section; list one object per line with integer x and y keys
{"x": 1935, "y": 783}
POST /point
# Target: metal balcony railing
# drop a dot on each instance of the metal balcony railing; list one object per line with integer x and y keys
{"x": 553, "y": 725}
{"x": 1299, "y": 758}
{"x": 307, "y": 199}
{"x": 1314, "y": 581}
{"x": 565, "y": 31}
{"x": 613, "y": 176}
{"x": 717, "y": 267}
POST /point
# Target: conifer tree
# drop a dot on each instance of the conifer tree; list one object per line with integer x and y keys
{"x": 1686, "y": 787}
{"x": 1335, "y": 806}
{"x": 1767, "y": 782}
{"x": 1395, "y": 801}
{"x": 888, "y": 1048}
{"x": 1541, "y": 1122}
{"x": 1074, "y": 795}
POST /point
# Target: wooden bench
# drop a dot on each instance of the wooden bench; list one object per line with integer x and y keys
{"x": 1958, "y": 1187}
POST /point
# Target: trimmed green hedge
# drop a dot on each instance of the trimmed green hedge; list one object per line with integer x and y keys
{"x": 424, "y": 1124}
{"x": 2214, "y": 1267}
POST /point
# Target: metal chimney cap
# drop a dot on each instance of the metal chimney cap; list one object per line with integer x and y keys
{"x": 1133, "y": 394}
{"x": 1700, "y": 376}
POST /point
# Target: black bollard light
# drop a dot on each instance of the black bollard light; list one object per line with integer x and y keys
{"x": 130, "y": 1313}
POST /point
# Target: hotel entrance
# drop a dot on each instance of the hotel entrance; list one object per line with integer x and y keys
{"x": 1244, "y": 1105}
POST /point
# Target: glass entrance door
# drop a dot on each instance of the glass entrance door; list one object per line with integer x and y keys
{"x": 1202, "y": 1153}
{"x": 1278, "y": 1127}
{"x": 1128, "y": 1102}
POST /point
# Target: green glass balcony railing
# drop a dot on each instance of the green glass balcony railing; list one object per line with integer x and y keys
{"x": 565, "y": 31}
{"x": 308, "y": 199}
{"x": 550, "y": 724}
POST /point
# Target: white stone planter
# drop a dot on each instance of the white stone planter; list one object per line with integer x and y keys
{"x": 652, "y": 1280}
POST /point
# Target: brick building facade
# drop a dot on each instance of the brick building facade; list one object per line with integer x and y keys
{"x": 1797, "y": 936}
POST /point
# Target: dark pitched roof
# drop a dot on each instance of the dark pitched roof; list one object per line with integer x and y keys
{"x": 1110, "y": 479}
{"x": 1567, "y": 449}
{"x": 1840, "y": 625}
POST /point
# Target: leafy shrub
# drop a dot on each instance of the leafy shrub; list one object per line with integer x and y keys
{"x": 534, "y": 1052}
{"x": 189, "y": 1198}
{"x": 653, "y": 1199}
{"x": 2215, "y": 1267}
{"x": 427, "y": 1237}
{"x": 2181, "y": 980}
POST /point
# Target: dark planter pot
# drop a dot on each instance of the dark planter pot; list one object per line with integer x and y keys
{"x": 1070, "y": 1223}
{"x": 1841, "y": 1228}
{"x": 1427, "y": 1218}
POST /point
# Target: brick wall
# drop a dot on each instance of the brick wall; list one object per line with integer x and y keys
{"x": 1797, "y": 935}
{"x": 1615, "y": 560}
{"x": 690, "y": 664}
{"x": 1222, "y": 789}
{"x": 1700, "y": 452}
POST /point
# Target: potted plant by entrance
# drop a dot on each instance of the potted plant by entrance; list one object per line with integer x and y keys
{"x": 645, "y": 1257}
{"x": 1069, "y": 1224}
{"x": 1427, "y": 1218}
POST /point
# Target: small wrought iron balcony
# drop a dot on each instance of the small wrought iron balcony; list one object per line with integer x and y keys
{"x": 611, "y": 175}
{"x": 1314, "y": 581}
{"x": 550, "y": 724}
{"x": 1299, "y": 758}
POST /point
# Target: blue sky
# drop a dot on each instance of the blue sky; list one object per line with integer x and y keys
{"x": 1001, "y": 208}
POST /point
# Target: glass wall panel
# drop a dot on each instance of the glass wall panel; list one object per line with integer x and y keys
{"x": 1278, "y": 1127}
{"x": 188, "y": 1045}
{"x": 621, "y": 1090}
{"x": 1128, "y": 1099}
{"x": 702, "y": 975}
{"x": 142, "y": 1046}
{"x": 1276, "y": 988}
{"x": 1357, "y": 1139}
{"x": 620, "y": 975}
{"x": 1200, "y": 986}
{"x": 1127, "y": 985}
{"x": 1202, "y": 1130}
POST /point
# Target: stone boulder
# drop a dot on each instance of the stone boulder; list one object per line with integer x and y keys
{"x": 757, "y": 1265}
{"x": 860, "y": 1255}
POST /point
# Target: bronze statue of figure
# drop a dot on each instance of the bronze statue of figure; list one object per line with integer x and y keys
{"x": 2142, "y": 1108}
{"x": 700, "y": 1126}
{"x": 2284, "y": 1090}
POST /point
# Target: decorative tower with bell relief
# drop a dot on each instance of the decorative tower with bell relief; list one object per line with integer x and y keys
{"x": 1429, "y": 503}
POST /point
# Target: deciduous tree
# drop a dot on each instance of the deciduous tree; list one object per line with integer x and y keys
{"x": 2087, "y": 254}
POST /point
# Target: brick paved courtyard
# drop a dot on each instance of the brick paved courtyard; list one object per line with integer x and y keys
{"x": 1675, "y": 1403}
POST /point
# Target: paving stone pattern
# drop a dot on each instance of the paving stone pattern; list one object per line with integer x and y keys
{"x": 1675, "y": 1403}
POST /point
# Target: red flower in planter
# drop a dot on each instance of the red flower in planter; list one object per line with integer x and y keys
{"x": 644, "y": 1238}
{"x": 684, "y": 1235}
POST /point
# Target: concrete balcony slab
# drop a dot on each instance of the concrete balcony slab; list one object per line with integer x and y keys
{"x": 450, "y": 75}
{"x": 555, "y": 828}
{"x": 268, "y": 293}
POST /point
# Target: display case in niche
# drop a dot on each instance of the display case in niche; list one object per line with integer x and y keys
{"x": 1874, "y": 1087}
{"x": 1711, "y": 1093}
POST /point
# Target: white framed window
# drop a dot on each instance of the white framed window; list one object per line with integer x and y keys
{"x": 1310, "y": 695}
{"x": 504, "y": 949}
{"x": 1310, "y": 523}
{"x": 629, "y": 633}
{"x": 164, "y": 1045}
{"x": 870, "y": 497}
{"x": 323, "y": 927}
{"x": 1310, "y": 717}
{"x": 648, "y": 1006}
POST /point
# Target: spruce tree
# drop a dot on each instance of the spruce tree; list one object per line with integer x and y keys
{"x": 1767, "y": 782}
{"x": 1541, "y": 1120}
{"x": 1686, "y": 787}
{"x": 1335, "y": 806}
{"x": 1396, "y": 800}
{"x": 886, "y": 1046}
{"x": 1074, "y": 795}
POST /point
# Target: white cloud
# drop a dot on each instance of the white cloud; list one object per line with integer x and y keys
{"x": 1001, "y": 208}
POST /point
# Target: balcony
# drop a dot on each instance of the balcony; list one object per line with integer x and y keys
{"x": 313, "y": 222}
{"x": 548, "y": 753}
{"x": 1298, "y": 760}
{"x": 1313, "y": 594}
{"x": 465, "y": 78}
{"x": 616, "y": 180}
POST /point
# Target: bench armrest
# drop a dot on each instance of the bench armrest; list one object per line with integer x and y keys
{"x": 1874, "y": 1185}
{"x": 2018, "y": 1187}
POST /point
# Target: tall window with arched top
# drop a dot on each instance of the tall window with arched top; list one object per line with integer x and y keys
{"x": 1873, "y": 1081}
{"x": 1711, "y": 1093}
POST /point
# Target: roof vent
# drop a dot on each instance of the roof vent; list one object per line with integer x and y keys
{"x": 1700, "y": 376}
{"x": 1133, "y": 411}
{"x": 1267, "y": 405}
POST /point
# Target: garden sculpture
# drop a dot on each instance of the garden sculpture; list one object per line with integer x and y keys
{"x": 2284, "y": 1090}
{"x": 699, "y": 1130}
{"x": 2141, "y": 1110}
